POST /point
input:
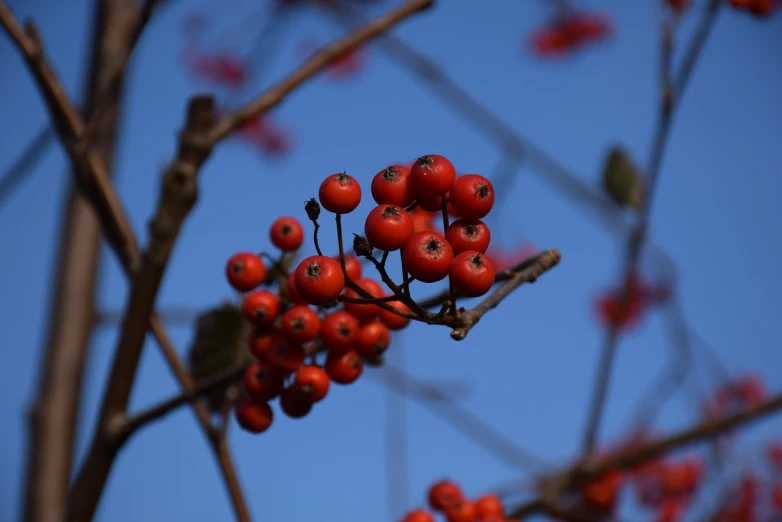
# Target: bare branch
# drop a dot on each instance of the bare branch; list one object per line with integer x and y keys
{"x": 627, "y": 459}
{"x": 314, "y": 65}
{"x": 668, "y": 104}
{"x": 24, "y": 164}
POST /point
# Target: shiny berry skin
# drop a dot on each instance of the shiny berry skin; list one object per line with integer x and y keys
{"x": 287, "y": 234}
{"x": 392, "y": 186}
{"x": 427, "y": 256}
{"x": 394, "y": 321}
{"x": 422, "y": 220}
{"x": 432, "y": 175}
{"x": 466, "y": 235}
{"x": 262, "y": 381}
{"x": 461, "y": 511}
{"x": 289, "y": 292}
{"x": 471, "y": 274}
{"x": 489, "y": 505}
{"x": 261, "y": 307}
{"x": 294, "y": 403}
{"x": 339, "y": 331}
{"x": 364, "y": 312}
{"x": 245, "y": 271}
{"x": 352, "y": 266}
{"x": 300, "y": 324}
{"x": 340, "y": 193}
{"x": 373, "y": 339}
{"x": 472, "y": 196}
{"x": 432, "y": 203}
{"x": 388, "y": 227}
{"x": 443, "y": 494}
{"x": 287, "y": 357}
{"x": 312, "y": 382}
{"x": 344, "y": 368}
{"x": 418, "y": 515}
{"x": 319, "y": 280}
{"x": 252, "y": 416}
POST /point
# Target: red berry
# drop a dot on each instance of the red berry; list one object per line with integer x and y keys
{"x": 489, "y": 505}
{"x": 294, "y": 403}
{"x": 373, "y": 339}
{"x": 319, "y": 280}
{"x": 418, "y": 515}
{"x": 392, "y": 186}
{"x": 262, "y": 341}
{"x": 287, "y": 234}
{"x": 678, "y": 5}
{"x": 471, "y": 274}
{"x": 338, "y": 331}
{"x": 423, "y": 220}
{"x": 255, "y": 417}
{"x": 312, "y": 382}
{"x": 741, "y": 4}
{"x": 468, "y": 235}
{"x": 443, "y": 494}
{"x": 432, "y": 203}
{"x": 388, "y": 227}
{"x": 245, "y": 271}
{"x": 472, "y": 196}
{"x": 344, "y": 368}
{"x": 394, "y": 321}
{"x": 340, "y": 193}
{"x": 352, "y": 266}
{"x": 289, "y": 292}
{"x": 300, "y": 324}
{"x": 461, "y": 511}
{"x": 261, "y": 307}
{"x": 432, "y": 175}
{"x": 761, "y": 7}
{"x": 426, "y": 256}
{"x": 287, "y": 356}
{"x": 364, "y": 312}
{"x": 262, "y": 381}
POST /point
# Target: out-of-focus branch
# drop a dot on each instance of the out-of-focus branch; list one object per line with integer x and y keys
{"x": 593, "y": 467}
{"x": 669, "y": 101}
{"x": 318, "y": 62}
{"x": 26, "y": 161}
{"x": 460, "y": 418}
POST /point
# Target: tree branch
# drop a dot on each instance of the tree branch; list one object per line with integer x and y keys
{"x": 669, "y": 101}
{"x": 178, "y": 196}
{"x": 318, "y": 62}
{"x": 21, "y": 168}
{"x": 627, "y": 459}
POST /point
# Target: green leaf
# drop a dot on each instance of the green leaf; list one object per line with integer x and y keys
{"x": 622, "y": 181}
{"x": 219, "y": 344}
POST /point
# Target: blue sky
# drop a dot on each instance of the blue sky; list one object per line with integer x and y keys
{"x": 530, "y": 363}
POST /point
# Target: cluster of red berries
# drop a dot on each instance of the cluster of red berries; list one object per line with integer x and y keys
{"x": 614, "y": 311}
{"x": 446, "y": 497}
{"x": 570, "y": 32}
{"x": 300, "y": 319}
{"x": 266, "y": 135}
{"x": 737, "y": 394}
{"x": 759, "y": 8}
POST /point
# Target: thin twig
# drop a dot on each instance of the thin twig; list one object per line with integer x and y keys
{"x": 669, "y": 101}
{"x": 317, "y": 63}
{"x": 467, "y": 423}
{"x": 25, "y": 163}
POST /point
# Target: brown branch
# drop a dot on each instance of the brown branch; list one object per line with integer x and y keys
{"x": 627, "y": 459}
{"x": 466, "y": 320}
{"x": 93, "y": 180}
{"x": 129, "y": 426}
{"x": 179, "y": 192}
{"x": 318, "y": 62}
{"x": 668, "y": 103}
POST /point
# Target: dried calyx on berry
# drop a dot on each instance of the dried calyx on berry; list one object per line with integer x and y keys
{"x": 312, "y": 208}
{"x": 361, "y": 246}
